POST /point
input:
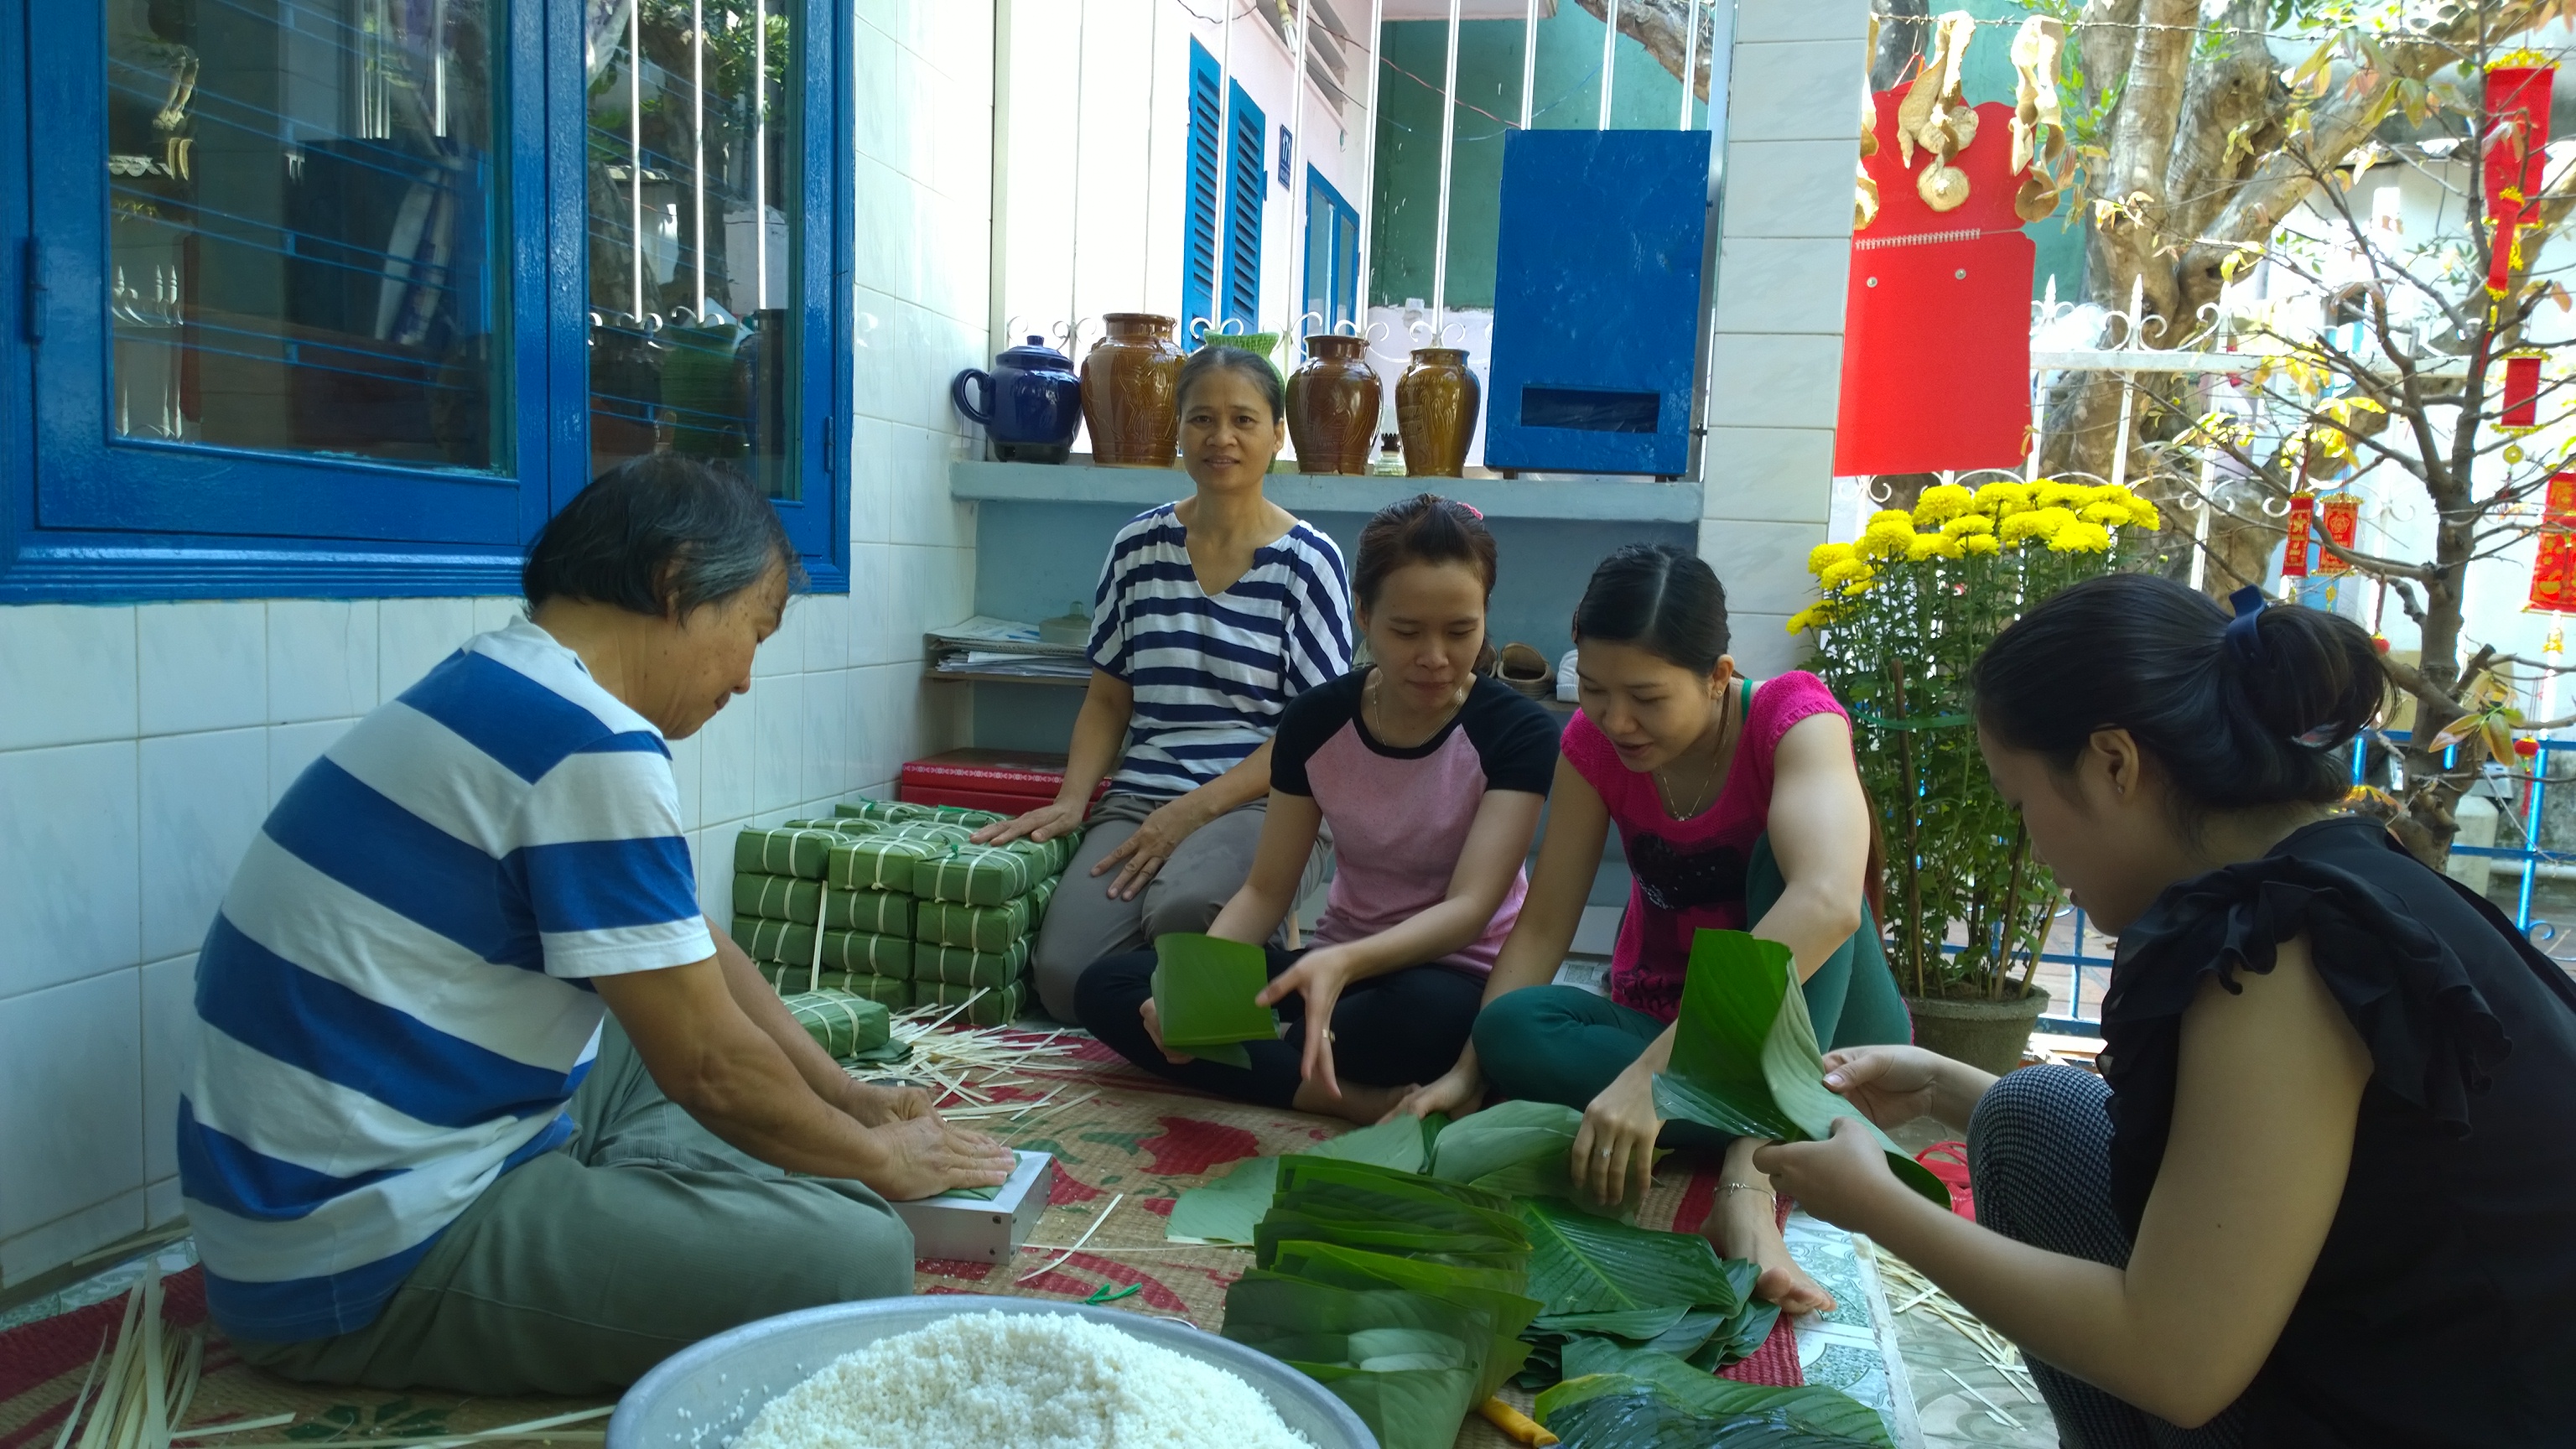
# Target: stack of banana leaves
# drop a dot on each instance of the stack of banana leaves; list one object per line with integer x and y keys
{"x": 1400, "y": 1293}
{"x": 1607, "y": 1285}
{"x": 1640, "y": 1399}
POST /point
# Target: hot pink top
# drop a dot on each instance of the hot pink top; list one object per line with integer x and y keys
{"x": 1689, "y": 873}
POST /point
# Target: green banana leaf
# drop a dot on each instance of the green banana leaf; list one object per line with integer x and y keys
{"x": 1203, "y": 990}
{"x": 1745, "y": 1058}
{"x": 1405, "y": 1362}
{"x": 1227, "y": 1210}
{"x": 1521, "y": 1149}
{"x": 1417, "y": 1408}
{"x": 1368, "y": 1187}
{"x": 1696, "y": 1408}
{"x": 1580, "y": 1264}
{"x": 1428, "y": 1244}
{"x": 1492, "y": 1293}
{"x": 1735, "y": 1341}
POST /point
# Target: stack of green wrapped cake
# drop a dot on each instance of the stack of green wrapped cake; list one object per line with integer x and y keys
{"x": 910, "y": 912}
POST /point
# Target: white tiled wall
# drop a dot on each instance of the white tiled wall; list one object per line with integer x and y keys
{"x": 141, "y": 746}
{"x": 1775, "y": 359}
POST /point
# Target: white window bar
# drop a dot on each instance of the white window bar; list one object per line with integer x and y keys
{"x": 635, "y": 157}
{"x": 1529, "y": 62}
{"x": 698, "y": 145}
{"x": 1296, "y": 142}
{"x": 438, "y": 69}
{"x": 1609, "y": 56}
{"x": 759, "y": 155}
{"x": 1224, "y": 219}
{"x": 1448, "y": 146}
{"x": 1368, "y": 161}
{"x": 1690, "y": 60}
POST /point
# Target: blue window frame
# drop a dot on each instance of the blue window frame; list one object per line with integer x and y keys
{"x": 1332, "y": 254}
{"x": 394, "y": 394}
{"x": 1206, "y": 166}
{"x": 1247, "y": 186}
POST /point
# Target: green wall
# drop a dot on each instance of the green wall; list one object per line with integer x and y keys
{"x": 1645, "y": 96}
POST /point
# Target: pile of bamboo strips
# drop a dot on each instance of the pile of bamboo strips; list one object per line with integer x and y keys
{"x": 151, "y": 1378}
{"x": 1002, "y": 1076}
{"x": 1910, "y": 1292}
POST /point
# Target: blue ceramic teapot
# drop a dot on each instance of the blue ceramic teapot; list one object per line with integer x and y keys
{"x": 1031, "y": 404}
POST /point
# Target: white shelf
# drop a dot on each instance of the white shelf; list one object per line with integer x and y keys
{"x": 1558, "y": 496}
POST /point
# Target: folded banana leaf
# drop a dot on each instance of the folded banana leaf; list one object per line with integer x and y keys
{"x": 1203, "y": 990}
{"x": 1405, "y": 1408}
{"x": 1493, "y": 1294}
{"x": 1228, "y": 1209}
{"x": 1405, "y": 1362}
{"x": 842, "y": 1024}
{"x": 1745, "y": 1058}
{"x": 1429, "y": 1245}
{"x": 1370, "y": 1186}
{"x": 1646, "y": 1400}
{"x": 1580, "y": 1264}
{"x": 1521, "y": 1149}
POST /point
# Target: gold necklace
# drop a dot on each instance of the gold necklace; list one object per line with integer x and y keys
{"x": 1708, "y": 785}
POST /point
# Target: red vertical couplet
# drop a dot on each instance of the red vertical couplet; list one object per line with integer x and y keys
{"x": 2294, "y": 554}
{"x": 2521, "y": 391}
{"x": 2340, "y": 516}
{"x": 2513, "y": 134}
{"x": 2553, "y": 572}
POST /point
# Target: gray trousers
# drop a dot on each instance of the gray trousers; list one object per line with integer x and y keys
{"x": 1084, "y": 925}
{"x": 581, "y": 1269}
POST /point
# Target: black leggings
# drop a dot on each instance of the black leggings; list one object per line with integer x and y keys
{"x": 2039, "y": 1154}
{"x": 1400, "y": 1029}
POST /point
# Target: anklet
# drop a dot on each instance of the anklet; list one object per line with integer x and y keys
{"x": 1727, "y": 1187}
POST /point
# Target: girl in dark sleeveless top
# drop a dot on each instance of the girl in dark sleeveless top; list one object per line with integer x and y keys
{"x": 2325, "y": 1190}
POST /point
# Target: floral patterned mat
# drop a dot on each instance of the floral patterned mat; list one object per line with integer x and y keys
{"x": 1121, "y": 1157}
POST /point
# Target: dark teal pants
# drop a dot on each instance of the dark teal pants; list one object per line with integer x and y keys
{"x": 1564, "y": 1044}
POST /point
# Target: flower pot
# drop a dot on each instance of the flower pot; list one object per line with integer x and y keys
{"x": 1030, "y": 406}
{"x": 1333, "y": 405}
{"x": 1131, "y": 392}
{"x": 1435, "y": 411}
{"x": 1987, "y": 1035}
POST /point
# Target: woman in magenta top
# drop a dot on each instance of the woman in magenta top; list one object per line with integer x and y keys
{"x": 1739, "y": 808}
{"x": 1430, "y": 775}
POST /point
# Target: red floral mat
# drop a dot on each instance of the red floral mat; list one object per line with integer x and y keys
{"x": 1136, "y": 1142}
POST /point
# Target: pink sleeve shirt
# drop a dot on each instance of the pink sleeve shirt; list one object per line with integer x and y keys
{"x": 1689, "y": 873}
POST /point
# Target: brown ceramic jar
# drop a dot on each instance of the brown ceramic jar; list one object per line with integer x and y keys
{"x": 1435, "y": 409}
{"x": 1333, "y": 405}
{"x": 1130, "y": 392}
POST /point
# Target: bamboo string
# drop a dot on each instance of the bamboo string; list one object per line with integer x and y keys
{"x": 237, "y": 1426}
{"x": 1078, "y": 1242}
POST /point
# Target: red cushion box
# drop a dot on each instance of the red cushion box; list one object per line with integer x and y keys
{"x": 1008, "y": 781}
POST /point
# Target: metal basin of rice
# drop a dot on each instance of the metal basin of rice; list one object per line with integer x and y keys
{"x": 704, "y": 1395}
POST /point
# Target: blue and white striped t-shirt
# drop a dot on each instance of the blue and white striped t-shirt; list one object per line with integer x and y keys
{"x": 1213, "y": 671}
{"x": 391, "y": 1009}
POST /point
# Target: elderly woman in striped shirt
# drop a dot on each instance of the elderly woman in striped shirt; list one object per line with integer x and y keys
{"x": 1212, "y": 613}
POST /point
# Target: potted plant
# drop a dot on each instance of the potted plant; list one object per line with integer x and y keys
{"x": 1902, "y": 615}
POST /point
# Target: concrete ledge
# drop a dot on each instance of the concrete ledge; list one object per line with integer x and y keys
{"x": 1587, "y": 496}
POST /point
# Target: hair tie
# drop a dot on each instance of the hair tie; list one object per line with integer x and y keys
{"x": 1472, "y": 510}
{"x": 2244, "y": 639}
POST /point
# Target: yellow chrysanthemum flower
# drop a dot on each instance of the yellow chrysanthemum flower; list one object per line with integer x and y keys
{"x": 1825, "y": 555}
{"x": 2109, "y": 515}
{"x": 1942, "y": 545}
{"x": 2143, "y": 514}
{"x": 1890, "y": 518}
{"x": 1942, "y": 502}
{"x": 1812, "y": 617}
{"x": 2049, "y": 493}
{"x": 1979, "y": 543}
{"x": 2109, "y": 493}
{"x": 1883, "y": 542}
{"x": 1968, "y": 523}
{"x": 2080, "y": 537}
{"x": 2001, "y": 500}
{"x": 1849, "y": 574}
{"x": 1920, "y": 547}
{"x": 2039, "y": 523}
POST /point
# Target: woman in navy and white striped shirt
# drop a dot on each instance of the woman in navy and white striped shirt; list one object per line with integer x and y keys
{"x": 1212, "y": 614}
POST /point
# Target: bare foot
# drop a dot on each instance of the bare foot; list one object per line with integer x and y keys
{"x": 1747, "y": 1226}
{"x": 1357, "y": 1103}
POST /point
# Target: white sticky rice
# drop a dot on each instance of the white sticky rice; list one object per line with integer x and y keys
{"x": 1029, "y": 1380}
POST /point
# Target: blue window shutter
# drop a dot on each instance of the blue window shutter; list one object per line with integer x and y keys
{"x": 1247, "y": 187}
{"x": 1198, "y": 251}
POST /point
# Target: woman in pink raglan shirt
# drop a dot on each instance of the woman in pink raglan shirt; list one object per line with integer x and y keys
{"x": 1431, "y": 775}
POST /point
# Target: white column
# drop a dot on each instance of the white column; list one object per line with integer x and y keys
{"x": 1775, "y": 354}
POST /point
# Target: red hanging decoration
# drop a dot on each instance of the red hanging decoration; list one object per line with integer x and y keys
{"x": 2521, "y": 391}
{"x": 2511, "y": 140}
{"x": 2553, "y": 572}
{"x": 2340, "y": 517}
{"x": 2294, "y": 554}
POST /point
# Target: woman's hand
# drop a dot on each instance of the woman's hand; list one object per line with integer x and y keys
{"x": 1456, "y": 1092}
{"x": 1042, "y": 824}
{"x": 931, "y": 1157}
{"x": 1154, "y": 1028}
{"x": 1843, "y": 1179}
{"x": 1614, "y": 1149}
{"x": 1319, "y": 975}
{"x": 1144, "y": 852}
{"x": 1891, "y": 1085}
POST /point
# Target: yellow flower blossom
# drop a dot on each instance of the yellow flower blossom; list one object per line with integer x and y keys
{"x": 1979, "y": 543}
{"x": 2039, "y": 523}
{"x": 1920, "y": 546}
{"x": 1969, "y": 523}
{"x": 1813, "y": 617}
{"x": 2143, "y": 514}
{"x": 1886, "y": 540}
{"x": 2049, "y": 493}
{"x": 1825, "y": 555}
{"x": 2001, "y": 500}
{"x": 2080, "y": 537}
{"x": 1942, "y": 545}
{"x": 1849, "y": 575}
{"x": 1890, "y": 518}
{"x": 1942, "y": 502}
{"x": 2109, "y": 515}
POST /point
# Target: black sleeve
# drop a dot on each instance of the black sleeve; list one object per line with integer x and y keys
{"x": 1309, "y": 720}
{"x": 1515, "y": 737}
